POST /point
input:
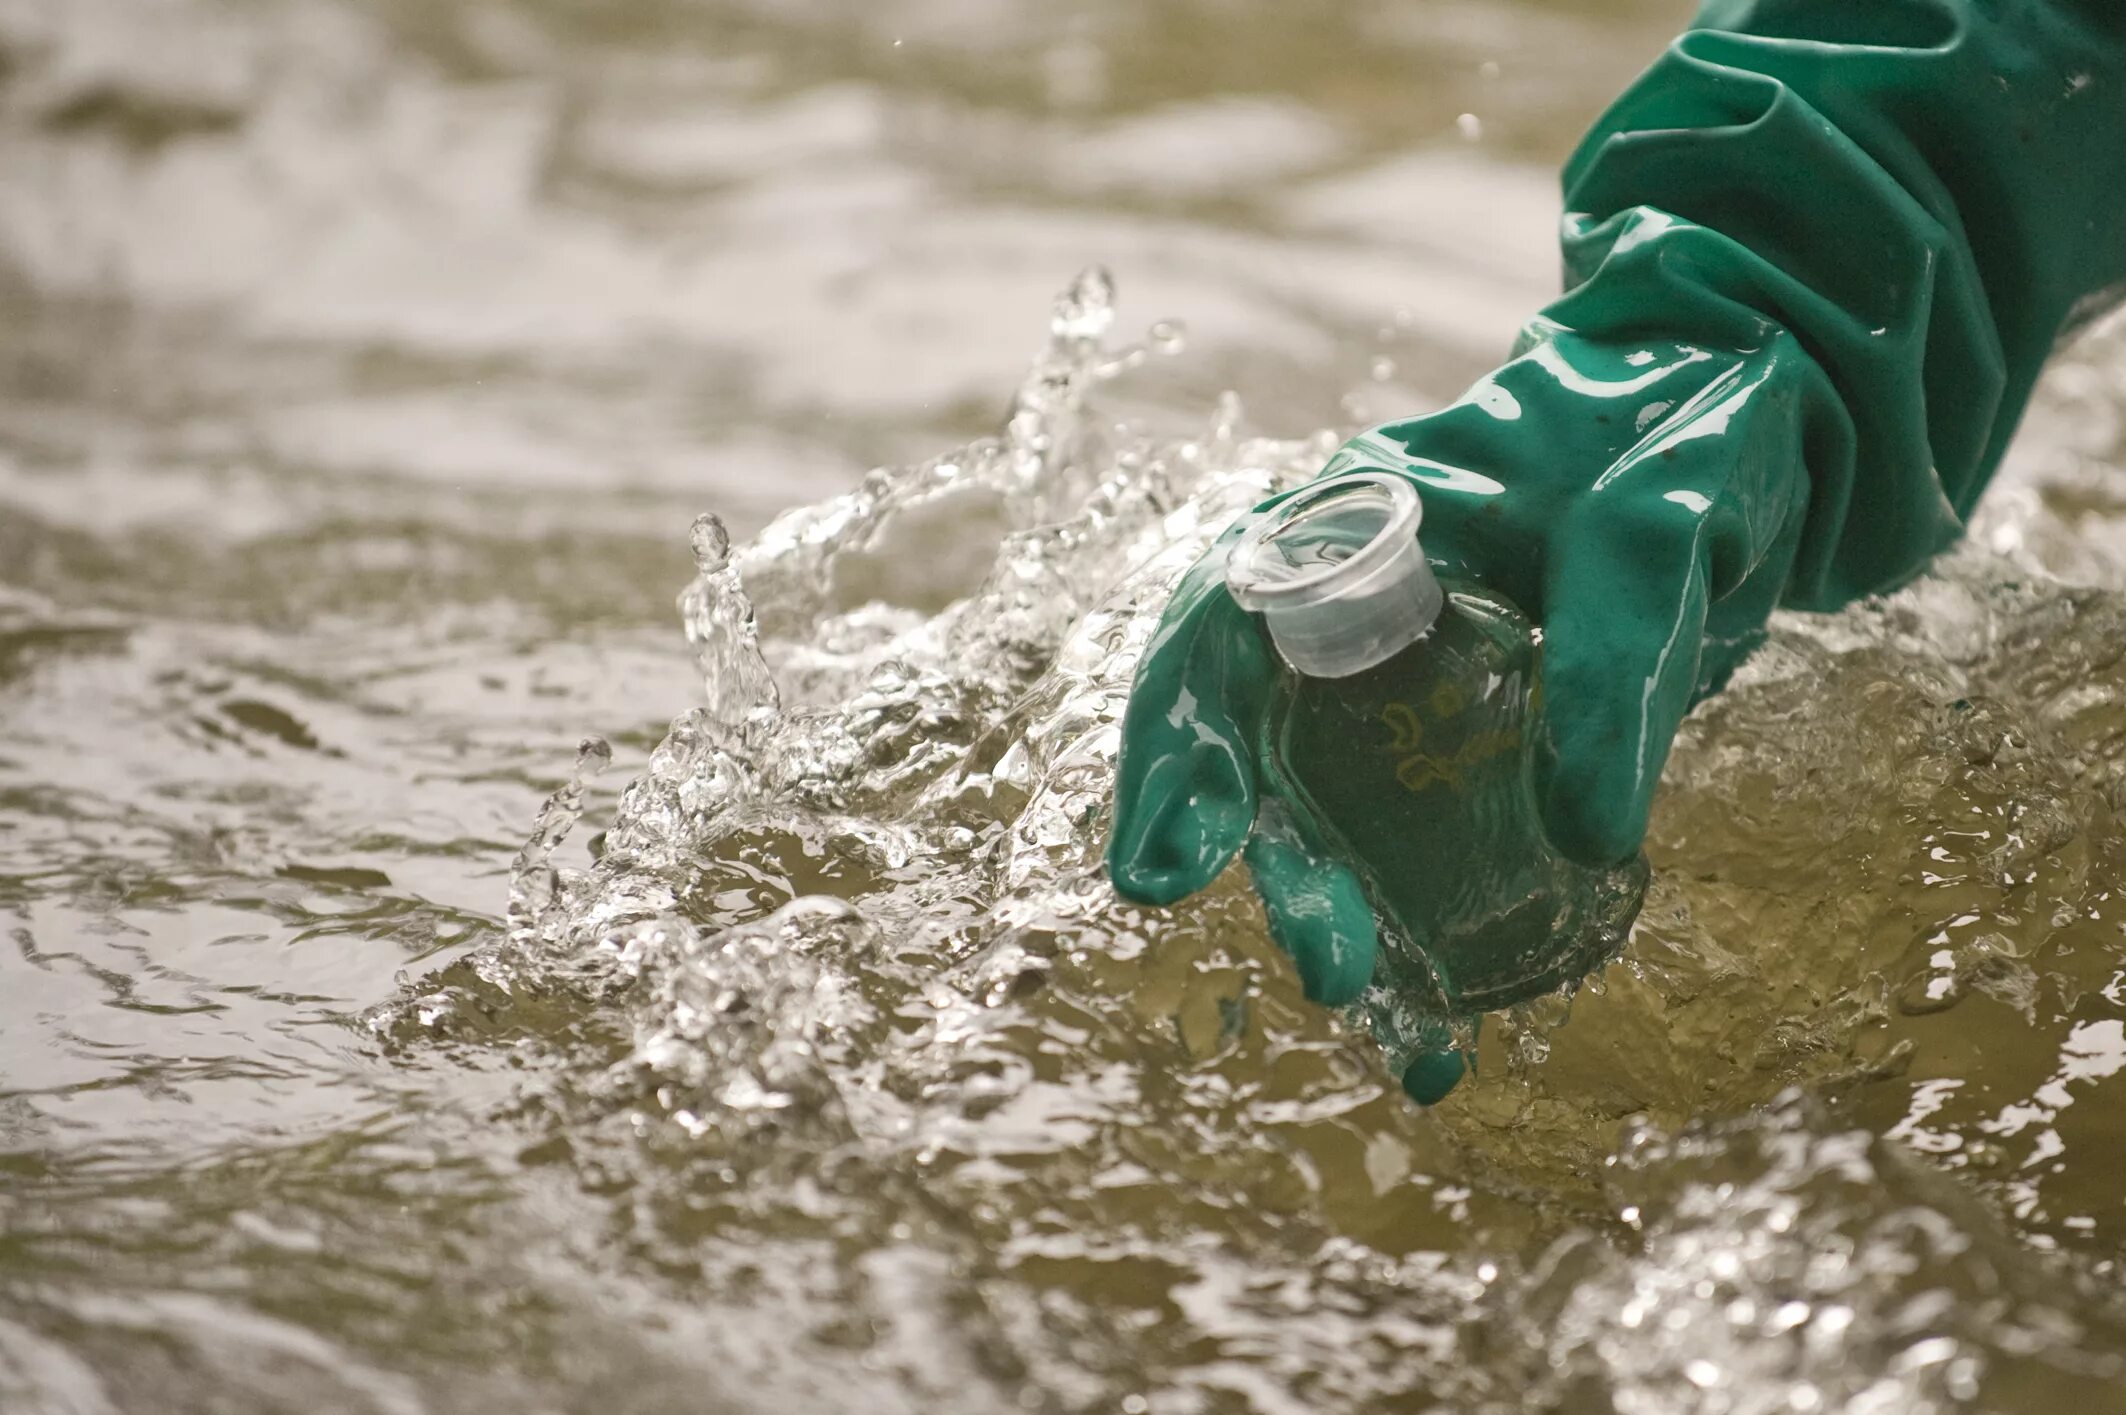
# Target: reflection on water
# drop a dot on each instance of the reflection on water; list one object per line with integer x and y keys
{"x": 365, "y": 370}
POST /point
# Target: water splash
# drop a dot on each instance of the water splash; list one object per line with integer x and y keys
{"x": 848, "y": 979}
{"x": 1784, "y": 1263}
{"x": 536, "y": 889}
{"x": 797, "y": 566}
{"x": 740, "y": 692}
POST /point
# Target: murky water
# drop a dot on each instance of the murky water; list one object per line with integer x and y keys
{"x": 366, "y": 368}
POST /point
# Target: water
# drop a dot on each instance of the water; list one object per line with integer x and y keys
{"x": 367, "y": 369}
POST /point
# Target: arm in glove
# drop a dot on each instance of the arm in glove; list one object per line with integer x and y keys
{"x": 1815, "y": 259}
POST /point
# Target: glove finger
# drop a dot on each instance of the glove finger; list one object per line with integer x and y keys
{"x": 1185, "y": 786}
{"x": 1318, "y": 912}
{"x": 1735, "y": 621}
{"x": 1438, "y": 1066}
{"x": 1624, "y": 620}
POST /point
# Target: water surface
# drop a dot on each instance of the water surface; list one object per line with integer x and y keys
{"x": 366, "y": 367}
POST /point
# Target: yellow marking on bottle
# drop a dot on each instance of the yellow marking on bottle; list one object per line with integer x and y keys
{"x": 1418, "y": 771}
{"x": 1406, "y": 727}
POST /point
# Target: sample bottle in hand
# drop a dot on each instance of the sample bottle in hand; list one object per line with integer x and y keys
{"x": 1404, "y": 728}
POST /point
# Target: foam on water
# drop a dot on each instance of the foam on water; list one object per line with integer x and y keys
{"x": 847, "y": 1027}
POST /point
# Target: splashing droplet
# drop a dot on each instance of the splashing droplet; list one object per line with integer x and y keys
{"x": 536, "y": 888}
{"x": 1086, "y": 311}
{"x": 711, "y": 543}
{"x": 593, "y": 756}
{"x": 721, "y": 626}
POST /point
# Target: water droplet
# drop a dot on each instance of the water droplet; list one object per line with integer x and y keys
{"x": 892, "y": 677}
{"x": 1168, "y": 336}
{"x": 1469, "y": 126}
{"x": 711, "y": 543}
{"x": 1086, "y": 311}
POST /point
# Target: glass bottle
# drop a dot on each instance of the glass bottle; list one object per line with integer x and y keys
{"x": 1404, "y": 726}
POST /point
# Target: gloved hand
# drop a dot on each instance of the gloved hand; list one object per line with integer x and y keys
{"x": 1815, "y": 259}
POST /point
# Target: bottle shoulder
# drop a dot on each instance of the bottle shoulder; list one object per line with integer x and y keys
{"x": 1478, "y": 632}
{"x": 1487, "y": 612}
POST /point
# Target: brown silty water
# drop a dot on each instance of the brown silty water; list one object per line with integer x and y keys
{"x": 367, "y": 367}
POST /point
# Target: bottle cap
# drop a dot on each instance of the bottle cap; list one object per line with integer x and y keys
{"x": 1337, "y": 574}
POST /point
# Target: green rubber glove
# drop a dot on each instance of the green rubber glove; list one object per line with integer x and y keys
{"x": 1815, "y": 259}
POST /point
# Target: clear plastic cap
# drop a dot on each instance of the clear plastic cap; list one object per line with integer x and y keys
{"x": 1337, "y": 574}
